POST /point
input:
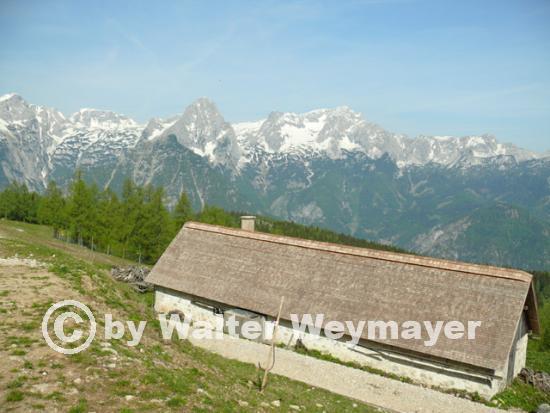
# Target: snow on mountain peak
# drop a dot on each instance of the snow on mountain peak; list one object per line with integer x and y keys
{"x": 101, "y": 119}
{"x": 320, "y": 130}
{"x": 333, "y": 132}
{"x": 156, "y": 126}
{"x": 203, "y": 104}
{"x": 13, "y": 108}
{"x": 245, "y": 128}
{"x": 297, "y": 130}
{"x": 202, "y": 129}
{"x": 10, "y": 96}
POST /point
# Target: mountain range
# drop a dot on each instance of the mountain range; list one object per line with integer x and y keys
{"x": 471, "y": 198}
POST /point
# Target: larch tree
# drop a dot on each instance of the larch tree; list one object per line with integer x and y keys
{"x": 183, "y": 211}
{"x": 51, "y": 210}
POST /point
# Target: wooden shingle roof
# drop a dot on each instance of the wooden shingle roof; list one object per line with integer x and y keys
{"x": 252, "y": 270}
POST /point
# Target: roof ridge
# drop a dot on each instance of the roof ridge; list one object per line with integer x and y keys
{"x": 477, "y": 269}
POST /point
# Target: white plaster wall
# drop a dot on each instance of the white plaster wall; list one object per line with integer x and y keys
{"x": 166, "y": 302}
{"x": 421, "y": 371}
{"x": 521, "y": 354}
{"x": 520, "y": 349}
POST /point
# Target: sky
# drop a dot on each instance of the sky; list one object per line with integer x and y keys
{"x": 416, "y": 67}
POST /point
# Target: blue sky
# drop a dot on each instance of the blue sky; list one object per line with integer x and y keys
{"x": 412, "y": 66}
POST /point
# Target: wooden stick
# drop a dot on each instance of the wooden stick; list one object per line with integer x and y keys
{"x": 271, "y": 357}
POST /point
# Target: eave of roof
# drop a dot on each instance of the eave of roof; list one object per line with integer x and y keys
{"x": 477, "y": 269}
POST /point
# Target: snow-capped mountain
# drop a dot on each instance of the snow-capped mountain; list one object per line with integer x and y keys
{"x": 336, "y": 131}
{"x": 328, "y": 167}
{"x": 101, "y": 119}
{"x": 29, "y": 135}
{"x": 203, "y": 129}
{"x": 40, "y": 143}
{"x": 54, "y": 142}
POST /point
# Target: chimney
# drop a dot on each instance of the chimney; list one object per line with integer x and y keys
{"x": 247, "y": 222}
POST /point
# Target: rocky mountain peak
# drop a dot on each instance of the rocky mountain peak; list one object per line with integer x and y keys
{"x": 13, "y": 97}
{"x": 203, "y": 105}
{"x": 101, "y": 119}
{"x": 320, "y": 131}
{"x": 13, "y": 108}
{"x": 156, "y": 126}
{"x": 44, "y": 124}
{"x": 201, "y": 116}
{"x": 203, "y": 129}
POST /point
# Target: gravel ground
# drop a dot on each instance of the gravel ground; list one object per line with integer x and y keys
{"x": 15, "y": 261}
{"x": 379, "y": 391}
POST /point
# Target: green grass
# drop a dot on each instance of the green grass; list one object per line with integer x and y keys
{"x": 176, "y": 402}
{"x": 523, "y": 396}
{"x": 21, "y": 341}
{"x": 17, "y": 383}
{"x": 15, "y": 396}
{"x": 41, "y": 238}
{"x": 80, "y": 407}
{"x": 536, "y": 359}
{"x": 31, "y": 325}
{"x": 56, "y": 395}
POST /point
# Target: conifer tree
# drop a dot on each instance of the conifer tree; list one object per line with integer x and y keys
{"x": 109, "y": 220}
{"x": 218, "y": 216}
{"x": 19, "y": 204}
{"x": 9, "y": 201}
{"x": 51, "y": 209}
{"x": 132, "y": 201}
{"x": 80, "y": 207}
{"x": 182, "y": 212}
{"x": 154, "y": 231}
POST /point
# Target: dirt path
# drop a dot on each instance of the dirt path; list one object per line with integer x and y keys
{"x": 366, "y": 387}
{"x": 44, "y": 379}
{"x": 26, "y": 289}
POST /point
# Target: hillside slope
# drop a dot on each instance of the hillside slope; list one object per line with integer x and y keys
{"x": 112, "y": 377}
{"x": 154, "y": 376}
{"x": 516, "y": 239}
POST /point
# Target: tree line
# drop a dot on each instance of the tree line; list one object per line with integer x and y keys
{"x": 135, "y": 225}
